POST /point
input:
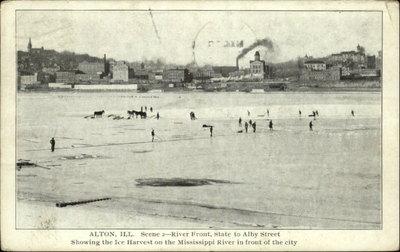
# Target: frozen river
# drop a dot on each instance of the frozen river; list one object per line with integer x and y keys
{"x": 329, "y": 178}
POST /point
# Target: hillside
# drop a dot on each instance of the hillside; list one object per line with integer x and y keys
{"x": 29, "y": 63}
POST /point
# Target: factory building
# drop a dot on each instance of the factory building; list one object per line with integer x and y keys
{"x": 120, "y": 72}
{"x": 176, "y": 75}
{"x": 66, "y": 77}
{"x": 258, "y": 68}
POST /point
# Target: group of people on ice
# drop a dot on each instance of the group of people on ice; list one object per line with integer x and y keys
{"x": 143, "y": 114}
{"x": 251, "y": 124}
{"x": 192, "y": 115}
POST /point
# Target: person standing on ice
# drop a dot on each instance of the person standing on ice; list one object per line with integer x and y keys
{"x": 246, "y": 125}
{"x": 158, "y": 116}
{"x": 267, "y": 112}
{"x": 271, "y": 125}
{"x": 251, "y": 122}
{"x": 352, "y": 113}
{"x": 248, "y": 113}
{"x": 254, "y": 127}
{"x": 151, "y": 109}
{"x": 152, "y": 135}
{"x": 240, "y": 122}
{"x": 299, "y": 113}
{"x": 53, "y": 144}
{"x": 314, "y": 114}
{"x": 310, "y": 125}
{"x": 211, "y": 130}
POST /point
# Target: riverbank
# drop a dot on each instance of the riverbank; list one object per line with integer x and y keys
{"x": 246, "y": 87}
{"x": 303, "y": 89}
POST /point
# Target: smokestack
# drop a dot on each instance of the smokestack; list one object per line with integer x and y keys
{"x": 237, "y": 63}
{"x": 105, "y": 63}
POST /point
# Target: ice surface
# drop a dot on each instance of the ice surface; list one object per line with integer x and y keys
{"x": 291, "y": 177}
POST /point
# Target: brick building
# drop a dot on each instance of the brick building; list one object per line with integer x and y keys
{"x": 176, "y": 75}
{"x": 330, "y": 74}
{"x": 379, "y": 60}
{"x": 89, "y": 78}
{"x": 120, "y": 72}
{"x": 257, "y": 66}
{"x": 29, "y": 79}
{"x": 352, "y": 59}
{"x": 315, "y": 65}
{"x": 371, "y": 62}
{"x": 66, "y": 77}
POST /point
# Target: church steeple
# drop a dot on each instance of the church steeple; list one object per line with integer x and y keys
{"x": 29, "y": 45}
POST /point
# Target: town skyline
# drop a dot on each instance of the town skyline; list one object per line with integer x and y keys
{"x": 215, "y": 41}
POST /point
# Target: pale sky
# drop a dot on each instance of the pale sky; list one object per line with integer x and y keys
{"x": 131, "y": 36}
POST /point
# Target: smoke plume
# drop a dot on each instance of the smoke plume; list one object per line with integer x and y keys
{"x": 259, "y": 42}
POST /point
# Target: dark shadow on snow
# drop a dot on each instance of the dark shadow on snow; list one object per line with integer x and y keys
{"x": 178, "y": 182}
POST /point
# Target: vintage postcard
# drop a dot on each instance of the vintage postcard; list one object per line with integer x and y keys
{"x": 136, "y": 125}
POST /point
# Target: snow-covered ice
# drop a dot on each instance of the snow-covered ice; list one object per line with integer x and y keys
{"x": 329, "y": 178}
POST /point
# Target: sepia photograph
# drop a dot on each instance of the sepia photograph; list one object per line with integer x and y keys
{"x": 199, "y": 126}
{"x": 198, "y": 119}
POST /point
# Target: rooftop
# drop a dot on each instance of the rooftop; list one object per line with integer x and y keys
{"x": 346, "y": 52}
{"x": 251, "y": 61}
{"x": 314, "y": 62}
